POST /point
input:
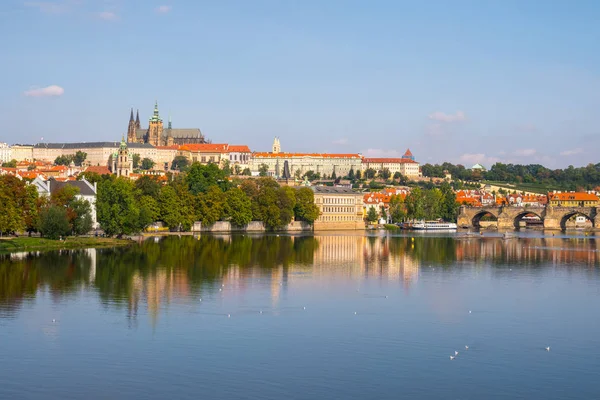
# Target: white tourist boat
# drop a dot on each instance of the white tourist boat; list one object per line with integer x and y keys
{"x": 434, "y": 225}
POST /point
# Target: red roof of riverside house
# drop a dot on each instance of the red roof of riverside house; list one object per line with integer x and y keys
{"x": 389, "y": 160}
{"x": 206, "y": 147}
{"x": 30, "y": 174}
{"x": 239, "y": 148}
{"x": 376, "y": 198}
{"x": 574, "y": 196}
{"x": 99, "y": 169}
{"x": 316, "y": 155}
{"x": 408, "y": 153}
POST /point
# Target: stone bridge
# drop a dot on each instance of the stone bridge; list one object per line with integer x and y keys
{"x": 509, "y": 216}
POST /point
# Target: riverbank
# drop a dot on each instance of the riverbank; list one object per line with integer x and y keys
{"x": 10, "y": 244}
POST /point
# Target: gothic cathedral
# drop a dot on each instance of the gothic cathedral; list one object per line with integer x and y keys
{"x": 156, "y": 135}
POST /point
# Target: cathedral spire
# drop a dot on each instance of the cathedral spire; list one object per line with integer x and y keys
{"x": 131, "y": 115}
{"x": 155, "y": 116}
{"x": 169, "y": 126}
{"x": 137, "y": 117}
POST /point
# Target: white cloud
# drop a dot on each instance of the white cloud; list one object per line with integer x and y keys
{"x": 107, "y": 15}
{"x": 443, "y": 117}
{"x": 163, "y": 9}
{"x": 341, "y": 142}
{"x": 48, "y": 91}
{"x": 477, "y": 158}
{"x": 381, "y": 153}
{"x": 525, "y": 152}
{"x": 571, "y": 152}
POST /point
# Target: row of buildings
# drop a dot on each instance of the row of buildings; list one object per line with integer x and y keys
{"x": 275, "y": 163}
{"x": 163, "y": 144}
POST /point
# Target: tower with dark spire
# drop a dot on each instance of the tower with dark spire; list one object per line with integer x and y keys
{"x": 155, "y": 128}
{"x": 137, "y": 119}
{"x": 131, "y": 129}
{"x": 169, "y": 141}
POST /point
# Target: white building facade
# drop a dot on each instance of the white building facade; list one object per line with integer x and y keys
{"x": 5, "y": 153}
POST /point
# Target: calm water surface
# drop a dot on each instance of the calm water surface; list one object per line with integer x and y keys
{"x": 337, "y": 316}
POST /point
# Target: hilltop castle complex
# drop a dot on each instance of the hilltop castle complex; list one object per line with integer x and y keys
{"x": 156, "y": 135}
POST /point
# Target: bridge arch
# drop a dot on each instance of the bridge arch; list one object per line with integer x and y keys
{"x": 564, "y": 221}
{"x": 476, "y": 219}
{"x": 526, "y": 213}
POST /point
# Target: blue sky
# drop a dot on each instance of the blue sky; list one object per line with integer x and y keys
{"x": 459, "y": 81}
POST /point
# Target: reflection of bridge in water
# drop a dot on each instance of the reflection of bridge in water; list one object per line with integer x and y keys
{"x": 509, "y": 217}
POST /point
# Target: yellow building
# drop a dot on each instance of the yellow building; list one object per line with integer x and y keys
{"x": 573, "y": 199}
{"x": 340, "y": 208}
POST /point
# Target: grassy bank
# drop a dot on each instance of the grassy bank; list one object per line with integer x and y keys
{"x": 41, "y": 244}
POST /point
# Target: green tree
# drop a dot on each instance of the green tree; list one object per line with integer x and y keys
{"x": 212, "y": 205}
{"x": 81, "y": 223}
{"x": 372, "y": 215}
{"x": 449, "y": 206}
{"x": 10, "y": 164}
{"x": 247, "y": 172}
{"x": 351, "y": 174}
{"x": 263, "y": 170}
{"x": 415, "y": 204}
{"x": 200, "y": 178}
{"x": 286, "y": 203}
{"x": 148, "y": 186}
{"x": 64, "y": 160}
{"x": 149, "y": 210}
{"x": 91, "y": 177}
{"x": 397, "y": 208}
{"x": 170, "y": 212}
{"x": 432, "y": 203}
{"x": 54, "y": 222}
{"x": 397, "y": 175}
{"x": 180, "y": 163}
{"x": 386, "y": 174}
{"x": 306, "y": 209}
{"x": 238, "y": 207}
{"x": 117, "y": 210}
{"x": 237, "y": 170}
{"x": 226, "y": 167}
{"x": 370, "y": 173}
{"x": 79, "y": 158}
{"x": 147, "y": 164}
{"x": 311, "y": 176}
{"x": 358, "y": 175}
{"x": 136, "y": 160}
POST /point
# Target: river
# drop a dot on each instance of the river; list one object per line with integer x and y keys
{"x": 330, "y": 316}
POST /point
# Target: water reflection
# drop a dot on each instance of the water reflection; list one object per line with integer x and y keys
{"x": 155, "y": 273}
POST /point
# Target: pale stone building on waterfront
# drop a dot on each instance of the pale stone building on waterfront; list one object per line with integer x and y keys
{"x": 340, "y": 208}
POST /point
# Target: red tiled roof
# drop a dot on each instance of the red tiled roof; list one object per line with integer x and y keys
{"x": 577, "y": 196}
{"x": 239, "y": 148}
{"x": 408, "y": 153}
{"x": 389, "y": 160}
{"x": 99, "y": 169}
{"x": 205, "y": 147}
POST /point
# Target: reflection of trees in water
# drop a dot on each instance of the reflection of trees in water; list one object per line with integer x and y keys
{"x": 60, "y": 272}
{"x": 152, "y": 272}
